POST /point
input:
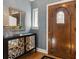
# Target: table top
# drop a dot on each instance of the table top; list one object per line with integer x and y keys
{"x": 13, "y": 36}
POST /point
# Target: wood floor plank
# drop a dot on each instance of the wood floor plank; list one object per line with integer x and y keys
{"x": 37, "y": 55}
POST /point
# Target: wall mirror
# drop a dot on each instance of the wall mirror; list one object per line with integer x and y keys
{"x": 16, "y": 19}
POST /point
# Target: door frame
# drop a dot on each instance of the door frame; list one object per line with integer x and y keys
{"x": 54, "y": 3}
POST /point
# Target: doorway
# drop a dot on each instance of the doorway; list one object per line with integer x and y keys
{"x": 62, "y": 30}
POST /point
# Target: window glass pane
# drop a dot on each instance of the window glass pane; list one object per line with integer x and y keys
{"x": 35, "y": 18}
{"x": 60, "y": 17}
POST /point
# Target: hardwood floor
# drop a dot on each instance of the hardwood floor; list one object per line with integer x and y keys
{"x": 37, "y": 55}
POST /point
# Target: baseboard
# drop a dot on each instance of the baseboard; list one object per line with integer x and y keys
{"x": 42, "y": 50}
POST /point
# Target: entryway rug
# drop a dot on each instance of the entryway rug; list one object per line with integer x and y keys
{"x": 47, "y": 57}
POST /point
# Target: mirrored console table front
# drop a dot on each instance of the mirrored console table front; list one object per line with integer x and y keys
{"x": 15, "y": 46}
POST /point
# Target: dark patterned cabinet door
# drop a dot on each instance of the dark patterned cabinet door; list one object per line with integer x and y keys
{"x": 15, "y": 48}
{"x": 30, "y": 43}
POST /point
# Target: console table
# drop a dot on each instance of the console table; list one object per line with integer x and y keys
{"x": 19, "y": 44}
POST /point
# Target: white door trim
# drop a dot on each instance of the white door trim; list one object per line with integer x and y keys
{"x": 59, "y": 2}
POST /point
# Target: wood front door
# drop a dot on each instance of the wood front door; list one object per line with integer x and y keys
{"x": 61, "y": 30}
